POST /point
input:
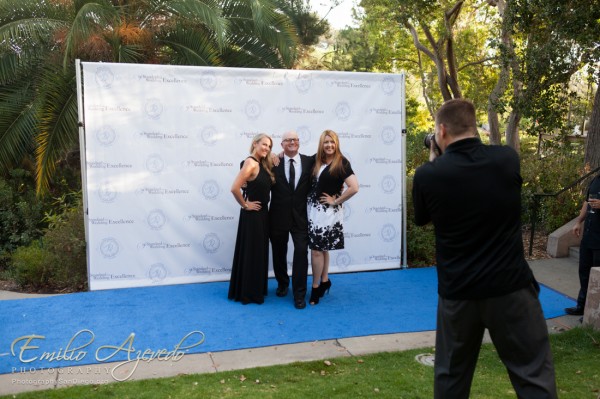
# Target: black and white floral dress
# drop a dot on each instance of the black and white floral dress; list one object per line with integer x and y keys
{"x": 325, "y": 222}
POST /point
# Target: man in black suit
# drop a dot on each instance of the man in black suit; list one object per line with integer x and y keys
{"x": 287, "y": 216}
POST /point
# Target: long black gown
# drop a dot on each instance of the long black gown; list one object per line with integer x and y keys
{"x": 249, "y": 272}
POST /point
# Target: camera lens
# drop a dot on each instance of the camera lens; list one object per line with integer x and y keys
{"x": 427, "y": 140}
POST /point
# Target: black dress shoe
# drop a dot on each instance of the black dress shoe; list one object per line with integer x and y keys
{"x": 299, "y": 303}
{"x": 574, "y": 311}
{"x": 281, "y": 291}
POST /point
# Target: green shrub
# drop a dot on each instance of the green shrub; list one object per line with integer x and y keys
{"x": 58, "y": 261}
{"x": 21, "y": 212}
{"x": 31, "y": 266}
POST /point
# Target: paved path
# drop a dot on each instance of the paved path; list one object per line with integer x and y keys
{"x": 559, "y": 274}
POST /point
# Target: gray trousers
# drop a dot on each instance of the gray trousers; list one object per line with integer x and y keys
{"x": 519, "y": 333}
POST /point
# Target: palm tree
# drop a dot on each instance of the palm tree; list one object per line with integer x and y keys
{"x": 40, "y": 39}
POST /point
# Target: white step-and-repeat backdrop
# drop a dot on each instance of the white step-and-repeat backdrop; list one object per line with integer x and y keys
{"x": 162, "y": 145}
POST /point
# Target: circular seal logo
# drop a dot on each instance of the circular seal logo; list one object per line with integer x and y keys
{"x": 153, "y": 108}
{"x": 303, "y": 82}
{"x": 347, "y": 211}
{"x": 107, "y": 193}
{"x": 303, "y": 134}
{"x": 104, "y": 77}
{"x": 155, "y": 164}
{"x": 388, "y": 85}
{"x": 252, "y": 109}
{"x": 388, "y": 232}
{"x": 210, "y": 189}
{"x": 342, "y": 111}
{"x": 388, "y": 184}
{"x": 343, "y": 259}
{"x": 208, "y": 135}
{"x": 109, "y": 248}
{"x": 388, "y": 135}
{"x": 211, "y": 243}
{"x": 208, "y": 81}
{"x": 156, "y": 219}
{"x": 157, "y": 272}
{"x": 105, "y": 135}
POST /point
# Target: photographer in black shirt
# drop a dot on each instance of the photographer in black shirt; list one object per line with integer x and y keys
{"x": 472, "y": 194}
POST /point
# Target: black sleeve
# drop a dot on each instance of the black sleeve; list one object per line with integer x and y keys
{"x": 422, "y": 216}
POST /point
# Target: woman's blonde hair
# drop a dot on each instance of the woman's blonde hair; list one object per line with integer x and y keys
{"x": 266, "y": 162}
{"x": 336, "y": 168}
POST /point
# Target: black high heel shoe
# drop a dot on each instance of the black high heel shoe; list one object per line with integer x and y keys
{"x": 315, "y": 295}
{"x": 324, "y": 287}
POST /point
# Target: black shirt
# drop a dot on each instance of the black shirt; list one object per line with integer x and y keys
{"x": 591, "y": 227}
{"x": 333, "y": 185}
{"x": 472, "y": 194}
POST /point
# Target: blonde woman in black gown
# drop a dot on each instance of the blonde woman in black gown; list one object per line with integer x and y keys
{"x": 332, "y": 171}
{"x": 251, "y": 187}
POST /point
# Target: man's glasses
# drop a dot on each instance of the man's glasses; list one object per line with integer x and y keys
{"x": 291, "y": 140}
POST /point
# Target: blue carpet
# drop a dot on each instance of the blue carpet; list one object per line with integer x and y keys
{"x": 359, "y": 304}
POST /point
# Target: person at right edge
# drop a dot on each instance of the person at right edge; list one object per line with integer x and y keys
{"x": 471, "y": 192}
{"x": 589, "y": 249}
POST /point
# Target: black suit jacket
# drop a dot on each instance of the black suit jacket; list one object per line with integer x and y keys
{"x": 289, "y": 208}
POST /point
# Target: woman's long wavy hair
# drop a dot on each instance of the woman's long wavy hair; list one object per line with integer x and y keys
{"x": 266, "y": 162}
{"x": 336, "y": 168}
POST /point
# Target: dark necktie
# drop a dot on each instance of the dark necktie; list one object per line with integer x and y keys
{"x": 292, "y": 175}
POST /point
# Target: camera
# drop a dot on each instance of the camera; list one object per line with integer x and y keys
{"x": 430, "y": 138}
{"x": 427, "y": 140}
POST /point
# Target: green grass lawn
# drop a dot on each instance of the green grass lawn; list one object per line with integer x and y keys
{"x": 382, "y": 375}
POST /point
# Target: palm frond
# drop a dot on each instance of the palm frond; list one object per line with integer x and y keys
{"x": 191, "y": 47}
{"x": 58, "y": 132}
{"x": 17, "y": 122}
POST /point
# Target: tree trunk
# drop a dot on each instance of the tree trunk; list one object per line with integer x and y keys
{"x": 501, "y": 84}
{"x": 512, "y": 130}
{"x": 592, "y": 147}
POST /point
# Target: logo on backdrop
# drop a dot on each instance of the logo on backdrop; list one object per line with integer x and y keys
{"x": 105, "y": 135}
{"x": 104, "y": 77}
{"x": 342, "y": 111}
{"x": 388, "y": 232}
{"x": 153, "y": 108}
{"x": 107, "y": 193}
{"x": 388, "y": 184}
{"x": 343, "y": 260}
{"x": 155, "y": 164}
{"x": 211, "y": 243}
{"x": 252, "y": 109}
{"x": 388, "y": 85}
{"x": 208, "y": 81}
{"x": 210, "y": 189}
{"x": 156, "y": 219}
{"x": 157, "y": 272}
{"x": 209, "y": 135}
{"x": 388, "y": 135}
{"x": 303, "y": 134}
{"x": 303, "y": 82}
{"x": 347, "y": 211}
{"x": 207, "y": 218}
{"x": 109, "y": 247}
